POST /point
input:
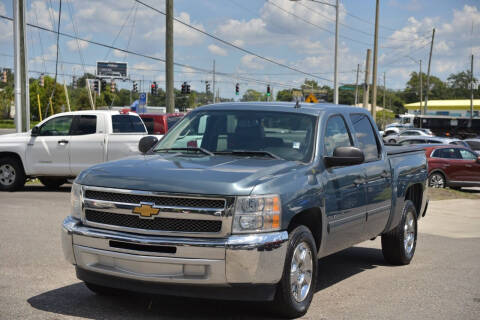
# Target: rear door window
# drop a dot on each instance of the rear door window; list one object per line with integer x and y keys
{"x": 124, "y": 123}
{"x": 84, "y": 124}
{"x": 366, "y": 137}
{"x": 447, "y": 153}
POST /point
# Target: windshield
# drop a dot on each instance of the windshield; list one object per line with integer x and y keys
{"x": 289, "y": 136}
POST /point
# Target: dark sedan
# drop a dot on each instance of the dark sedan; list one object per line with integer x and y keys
{"x": 452, "y": 166}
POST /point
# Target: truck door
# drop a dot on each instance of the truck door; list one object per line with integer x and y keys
{"x": 86, "y": 142}
{"x": 377, "y": 169}
{"x": 48, "y": 153}
{"x": 127, "y": 130}
{"x": 345, "y": 197}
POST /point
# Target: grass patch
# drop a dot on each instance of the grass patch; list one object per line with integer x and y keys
{"x": 447, "y": 194}
{"x": 9, "y": 124}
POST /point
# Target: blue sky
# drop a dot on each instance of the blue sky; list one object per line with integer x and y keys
{"x": 268, "y": 28}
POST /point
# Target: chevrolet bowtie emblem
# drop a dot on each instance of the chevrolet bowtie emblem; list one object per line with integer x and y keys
{"x": 146, "y": 210}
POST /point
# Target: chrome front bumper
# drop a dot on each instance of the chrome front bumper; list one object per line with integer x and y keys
{"x": 237, "y": 259}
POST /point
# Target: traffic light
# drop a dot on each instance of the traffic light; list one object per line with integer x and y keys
{"x": 237, "y": 89}
{"x": 207, "y": 87}
{"x": 268, "y": 91}
{"x": 188, "y": 89}
{"x": 112, "y": 86}
{"x": 152, "y": 89}
{"x": 135, "y": 86}
{"x": 74, "y": 82}
{"x": 95, "y": 86}
{"x": 155, "y": 88}
{"x": 184, "y": 87}
{"x": 4, "y": 76}
{"x": 42, "y": 80}
{"x": 104, "y": 85}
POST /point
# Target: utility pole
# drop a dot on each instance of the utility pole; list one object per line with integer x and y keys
{"x": 356, "y": 85}
{"x": 169, "y": 97}
{"x": 335, "y": 77}
{"x": 428, "y": 74}
{"x": 365, "y": 85}
{"x": 375, "y": 56}
{"x": 471, "y": 93}
{"x": 421, "y": 86}
{"x": 22, "y": 96}
{"x": 213, "y": 82}
{"x": 384, "y": 93}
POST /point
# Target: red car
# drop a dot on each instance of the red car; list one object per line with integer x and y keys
{"x": 160, "y": 123}
{"x": 452, "y": 166}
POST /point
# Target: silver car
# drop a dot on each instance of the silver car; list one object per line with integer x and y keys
{"x": 432, "y": 140}
{"x": 474, "y": 144}
{"x": 408, "y": 133}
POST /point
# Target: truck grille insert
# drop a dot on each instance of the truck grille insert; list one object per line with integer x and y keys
{"x": 156, "y": 224}
{"x": 157, "y": 200}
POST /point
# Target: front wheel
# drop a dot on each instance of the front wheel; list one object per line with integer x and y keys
{"x": 436, "y": 180}
{"x": 398, "y": 245}
{"x": 295, "y": 289}
{"x": 12, "y": 176}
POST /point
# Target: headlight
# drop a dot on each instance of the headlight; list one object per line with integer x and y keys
{"x": 257, "y": 214}
{"x": 76, "y": 200}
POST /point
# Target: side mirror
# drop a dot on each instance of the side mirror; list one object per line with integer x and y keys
{"x": 35, "y": 131}
{"x": 345, "y": 156}
{"x": 146, "y": 143}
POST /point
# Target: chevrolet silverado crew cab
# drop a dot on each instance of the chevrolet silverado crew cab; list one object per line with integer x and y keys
{"x": 240, "y": 200}
{"x": 63, "y": 145}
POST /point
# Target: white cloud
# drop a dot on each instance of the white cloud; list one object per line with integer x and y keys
{"x": 183, "y": 35}
{"x": 74, "y": 45}
{"x": 251, "y": 62}
{"x": 41, "y": 15}
{"x": 217, "y": 50}
{"x": 6, "y": 30}
{"x": 119, "y": 54}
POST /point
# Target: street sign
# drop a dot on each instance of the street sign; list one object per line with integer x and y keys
{"x": 112, "y": 69}
{"x": 142, "y": 99}
{"x": 347, "y": 87}
{"x": 311, "y": 98}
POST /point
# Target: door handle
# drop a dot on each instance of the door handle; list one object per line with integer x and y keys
{"x": 359, "y": 181}
{"x": 62, "y": 141}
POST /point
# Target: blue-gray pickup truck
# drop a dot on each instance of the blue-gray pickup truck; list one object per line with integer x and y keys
{"x": 240, "y": 200}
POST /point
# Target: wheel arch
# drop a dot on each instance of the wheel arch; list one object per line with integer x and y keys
{"x": 6, "y": 154}
{"x": 415, "y": 194}
{"x": 313, "y": 219}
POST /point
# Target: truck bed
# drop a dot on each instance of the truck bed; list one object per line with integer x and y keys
{"x": 398, "y": 149}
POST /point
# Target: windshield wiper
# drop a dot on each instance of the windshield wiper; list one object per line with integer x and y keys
{"x": 202, "y": 150}
{"x": 250, "y": 153}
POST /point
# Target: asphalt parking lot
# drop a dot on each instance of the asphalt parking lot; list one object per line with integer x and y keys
{"x": 442, "y": 282}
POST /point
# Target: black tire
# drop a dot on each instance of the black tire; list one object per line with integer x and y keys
{"x": 12, "y": 175}
{"x": 437, "y": 180}
{"x": 52, "y": 182}
{"x": 285, "y": 303}
{"x": 394, "y": 248}
{"x": 101, "y": 290}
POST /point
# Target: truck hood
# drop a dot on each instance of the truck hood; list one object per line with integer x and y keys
{"x": 215, "y": 175}
{"x": 13, "y": 137}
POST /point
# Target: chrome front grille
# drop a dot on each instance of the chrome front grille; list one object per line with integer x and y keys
{"x": 157, "y": 200}
{"x": 157, "y": 224}
{"x": 178, "y": 215}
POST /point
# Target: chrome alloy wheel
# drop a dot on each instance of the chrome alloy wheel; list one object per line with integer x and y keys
{"x": 7, "y": 174}
{"x": 301, "y": 271}
{"x": 437, "y": 181}
{"x": 409, "y": 233}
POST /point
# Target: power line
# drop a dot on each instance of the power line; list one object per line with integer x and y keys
{"x": 235, "y": 46}
{"x": 121, "y": 29}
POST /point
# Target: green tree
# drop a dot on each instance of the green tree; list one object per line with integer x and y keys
{"x": 459, "y": 84}
{"x": 285, "y": 95}
{"x": 253, "y": 95}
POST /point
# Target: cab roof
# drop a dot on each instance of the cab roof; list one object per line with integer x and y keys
{"x": 306, "y": 108}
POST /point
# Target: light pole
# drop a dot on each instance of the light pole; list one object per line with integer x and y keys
{"x": 335, "y": 71}
{"x": 421, "y": 80}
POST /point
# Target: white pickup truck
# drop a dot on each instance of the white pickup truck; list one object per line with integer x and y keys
{"x": 63, "y": 145}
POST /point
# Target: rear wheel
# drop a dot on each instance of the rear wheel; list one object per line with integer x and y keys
{"x": 12, "y": 176}
{"x": 52, "y": 182}
{"x": 398, "y": 245}
{"x": 436, "y": 180}
{"x": 295, "y": 289}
